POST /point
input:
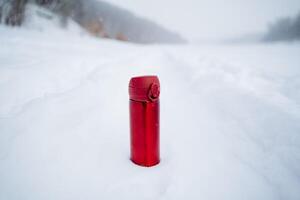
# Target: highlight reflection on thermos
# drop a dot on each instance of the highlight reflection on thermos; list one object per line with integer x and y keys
{"x": 144, "y": 120}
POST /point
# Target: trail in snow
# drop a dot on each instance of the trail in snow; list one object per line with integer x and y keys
{"x": 229, "y": 119}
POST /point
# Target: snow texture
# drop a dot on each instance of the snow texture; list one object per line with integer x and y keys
{"x": 229, "y": 118}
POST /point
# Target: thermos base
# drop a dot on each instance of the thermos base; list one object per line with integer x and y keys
{"x": 145, "y": 165}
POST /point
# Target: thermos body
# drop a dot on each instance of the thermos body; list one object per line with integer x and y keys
{"x": 144, "y": 120}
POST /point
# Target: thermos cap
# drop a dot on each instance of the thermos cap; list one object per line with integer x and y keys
{"x": 144, "y": 88}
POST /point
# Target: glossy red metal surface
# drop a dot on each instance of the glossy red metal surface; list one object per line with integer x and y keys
{"x": 144, "y": 120}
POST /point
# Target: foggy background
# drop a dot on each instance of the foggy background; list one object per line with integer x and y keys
{"x": 168, "y": 21}
{"x": 213, "y": 19}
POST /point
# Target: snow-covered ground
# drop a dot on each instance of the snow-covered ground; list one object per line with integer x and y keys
{"x": 230, "y": 119}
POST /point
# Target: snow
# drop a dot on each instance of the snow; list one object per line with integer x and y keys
{"x": 229, "y": 118}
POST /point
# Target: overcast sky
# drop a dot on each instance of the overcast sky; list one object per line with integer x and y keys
{"x": 210, "y": 19}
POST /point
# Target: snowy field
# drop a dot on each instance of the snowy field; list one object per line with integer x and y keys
{"x": 230, "y": 119}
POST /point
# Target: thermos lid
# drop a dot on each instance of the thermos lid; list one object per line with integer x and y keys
{"x": 144, "y": 88}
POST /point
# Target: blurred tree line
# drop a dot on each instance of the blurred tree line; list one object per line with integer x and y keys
{"x": 285, "y": 29}
{"x": 99, "y": 18}
{"x": 12, "y": 11}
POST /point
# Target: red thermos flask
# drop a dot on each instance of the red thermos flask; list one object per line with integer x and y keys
{"x": 144, "y": 120}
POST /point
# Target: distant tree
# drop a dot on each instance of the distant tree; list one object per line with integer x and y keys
{"x": 44, "y": 2}
{"x": 1, "y": 13}
{"x": 15, "y": 16}
{"x": 284, "y": 29}
{"x": 296, "y": 27}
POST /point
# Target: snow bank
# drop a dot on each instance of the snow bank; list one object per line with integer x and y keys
{"x": 229, "y": 114}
